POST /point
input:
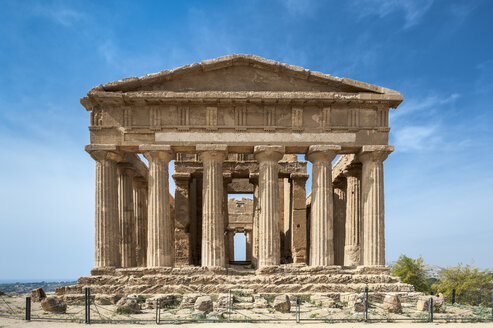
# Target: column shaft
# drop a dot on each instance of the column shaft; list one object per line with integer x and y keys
{"x": 126, "y": 214}
{"x": 298, "y": 218}
{"x": 269, "y": 218}
{"x": 256, "y": 211}
{"x": 160, "y": 228}
{"x": 213, "y": 252}
{"x": 183, "y": 245}
{"x": 249, "y": 237}
{"x": 321, "y": 220}
{"x": 353, "y": 209}
{"x": 372, "y": 207}
{"x": 107, "y": 253}
{"x": 140, "y": 212}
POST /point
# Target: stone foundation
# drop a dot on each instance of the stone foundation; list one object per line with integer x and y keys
{"x": 293, "y": 279}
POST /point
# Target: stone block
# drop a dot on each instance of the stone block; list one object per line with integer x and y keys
{"x": 53, "y": 304}
{"x": 392, "y": 303}
{"x": 203, "y": 303}
{"x": 37, "y": 295}
{"x": 282, "y": 304}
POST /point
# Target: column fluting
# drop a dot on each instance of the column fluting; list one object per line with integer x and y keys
{"x": 321, "y": 218}
{"x": 140, "y": 212}
{"x": 269, "y": 216}
{"x": 213, "y": 250}
{"x": 107, "y": 253}
{"x": 352, "y": 247}
{"x": 126, "y": 215}
{"x": 160, "y": 226}
{"x": 372, "y": 204}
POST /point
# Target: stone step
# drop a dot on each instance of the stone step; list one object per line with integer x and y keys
{"x": 250, "y": 279}
{"x": 224, "y": 288}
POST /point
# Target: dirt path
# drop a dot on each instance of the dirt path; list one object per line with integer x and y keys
{"x": 11, "y": 323}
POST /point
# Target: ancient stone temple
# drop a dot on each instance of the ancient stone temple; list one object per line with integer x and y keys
{"x": 237, "y": 125}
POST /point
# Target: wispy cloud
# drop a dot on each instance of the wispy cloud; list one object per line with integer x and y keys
{"x": 413, "y": 11}
{"x": 415, "y": 125}
{"x": 416, "y": 138}
{"x": 59, "y": 14}
{"x": 300, "y": 7}
{"x": 429, "y": 103}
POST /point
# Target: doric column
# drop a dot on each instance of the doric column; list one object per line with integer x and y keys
{"x": 352, "y": 247}
{"x": 183, "y": 246}
{"x": 126, "y": 214}
{"x": 269, "y": 218}
{"x": 140, "y": 213}
{"x": 160, "y": 228}
{"x": 249, "y": 237}
{"x": 321, "y": 220}
{"x": 339, "y": 220}
{"x": 372, "y": 203}
{"x": 256, "y": 210}
{"x": 230, "y": 239}
{"x": 298, "y": 218}
{"x": 213, "y": 252}
{"x": 107, "y": 253}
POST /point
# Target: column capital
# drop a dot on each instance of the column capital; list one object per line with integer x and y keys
{"x": 140, "y": 182}
{"x": 299, "y": 176}
{"x": 353, "y": 170}
{"x": 269, "y": 153}
{"x": 157, "y": 152}
{"x": 104, "y": 152}
{"x": 217, "y": 152}
{"x": 318, "y": 153}
{"x": 126, "y": 168}
{"x": 253, "y": 178}
{"x": 182, "y": 176}
{"x": 374, "y": 153}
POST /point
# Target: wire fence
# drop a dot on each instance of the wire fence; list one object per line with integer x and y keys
{"x": 238, "y": 306}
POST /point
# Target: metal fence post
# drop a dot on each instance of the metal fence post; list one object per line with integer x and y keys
{"x": 297, "y": 310}
{"x": 492, "y": 305}
{"x": 230, "y": 306}
{"x": 453, "y": 296}
{"x": 365, "y": 304}
{"x": 28, "y": 308}
{"x": 87, "y": 304}
{"x": 158, "y": 312}
{"x": 430, "y": 310}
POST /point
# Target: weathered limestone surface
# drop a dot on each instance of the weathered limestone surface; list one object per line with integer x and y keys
{"x": 353, "y": 209}
{"x": 127, "y": 218}
{"x": 372, "y": 196}
{"x": 140, "y": 211}
{"x": 160, "y": 248}
{"x": 298, "y": 226}
{"x": 321, "y": 222}
{"x": 213, "y": 253}
{"x": 107, "y": 230}
{"x": 269, "y": 216}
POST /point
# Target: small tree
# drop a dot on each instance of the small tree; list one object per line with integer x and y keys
{"x": 469, "y": 284}
{"x": 411, "y": 271}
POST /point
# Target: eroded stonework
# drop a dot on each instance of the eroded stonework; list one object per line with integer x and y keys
{"x": 236, "y": 125}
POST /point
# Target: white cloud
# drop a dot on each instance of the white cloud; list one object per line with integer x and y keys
{"x": 430, "y": 103}
{"x": 413, "y": 11}
{"x": 416, "y": 124}
{"x": 412, "y": 138}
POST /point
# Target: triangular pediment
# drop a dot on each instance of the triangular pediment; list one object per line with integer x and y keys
{"x": 242, "y": 73}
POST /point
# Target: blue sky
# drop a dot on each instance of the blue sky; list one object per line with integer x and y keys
{"x": 439, "y": 54}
